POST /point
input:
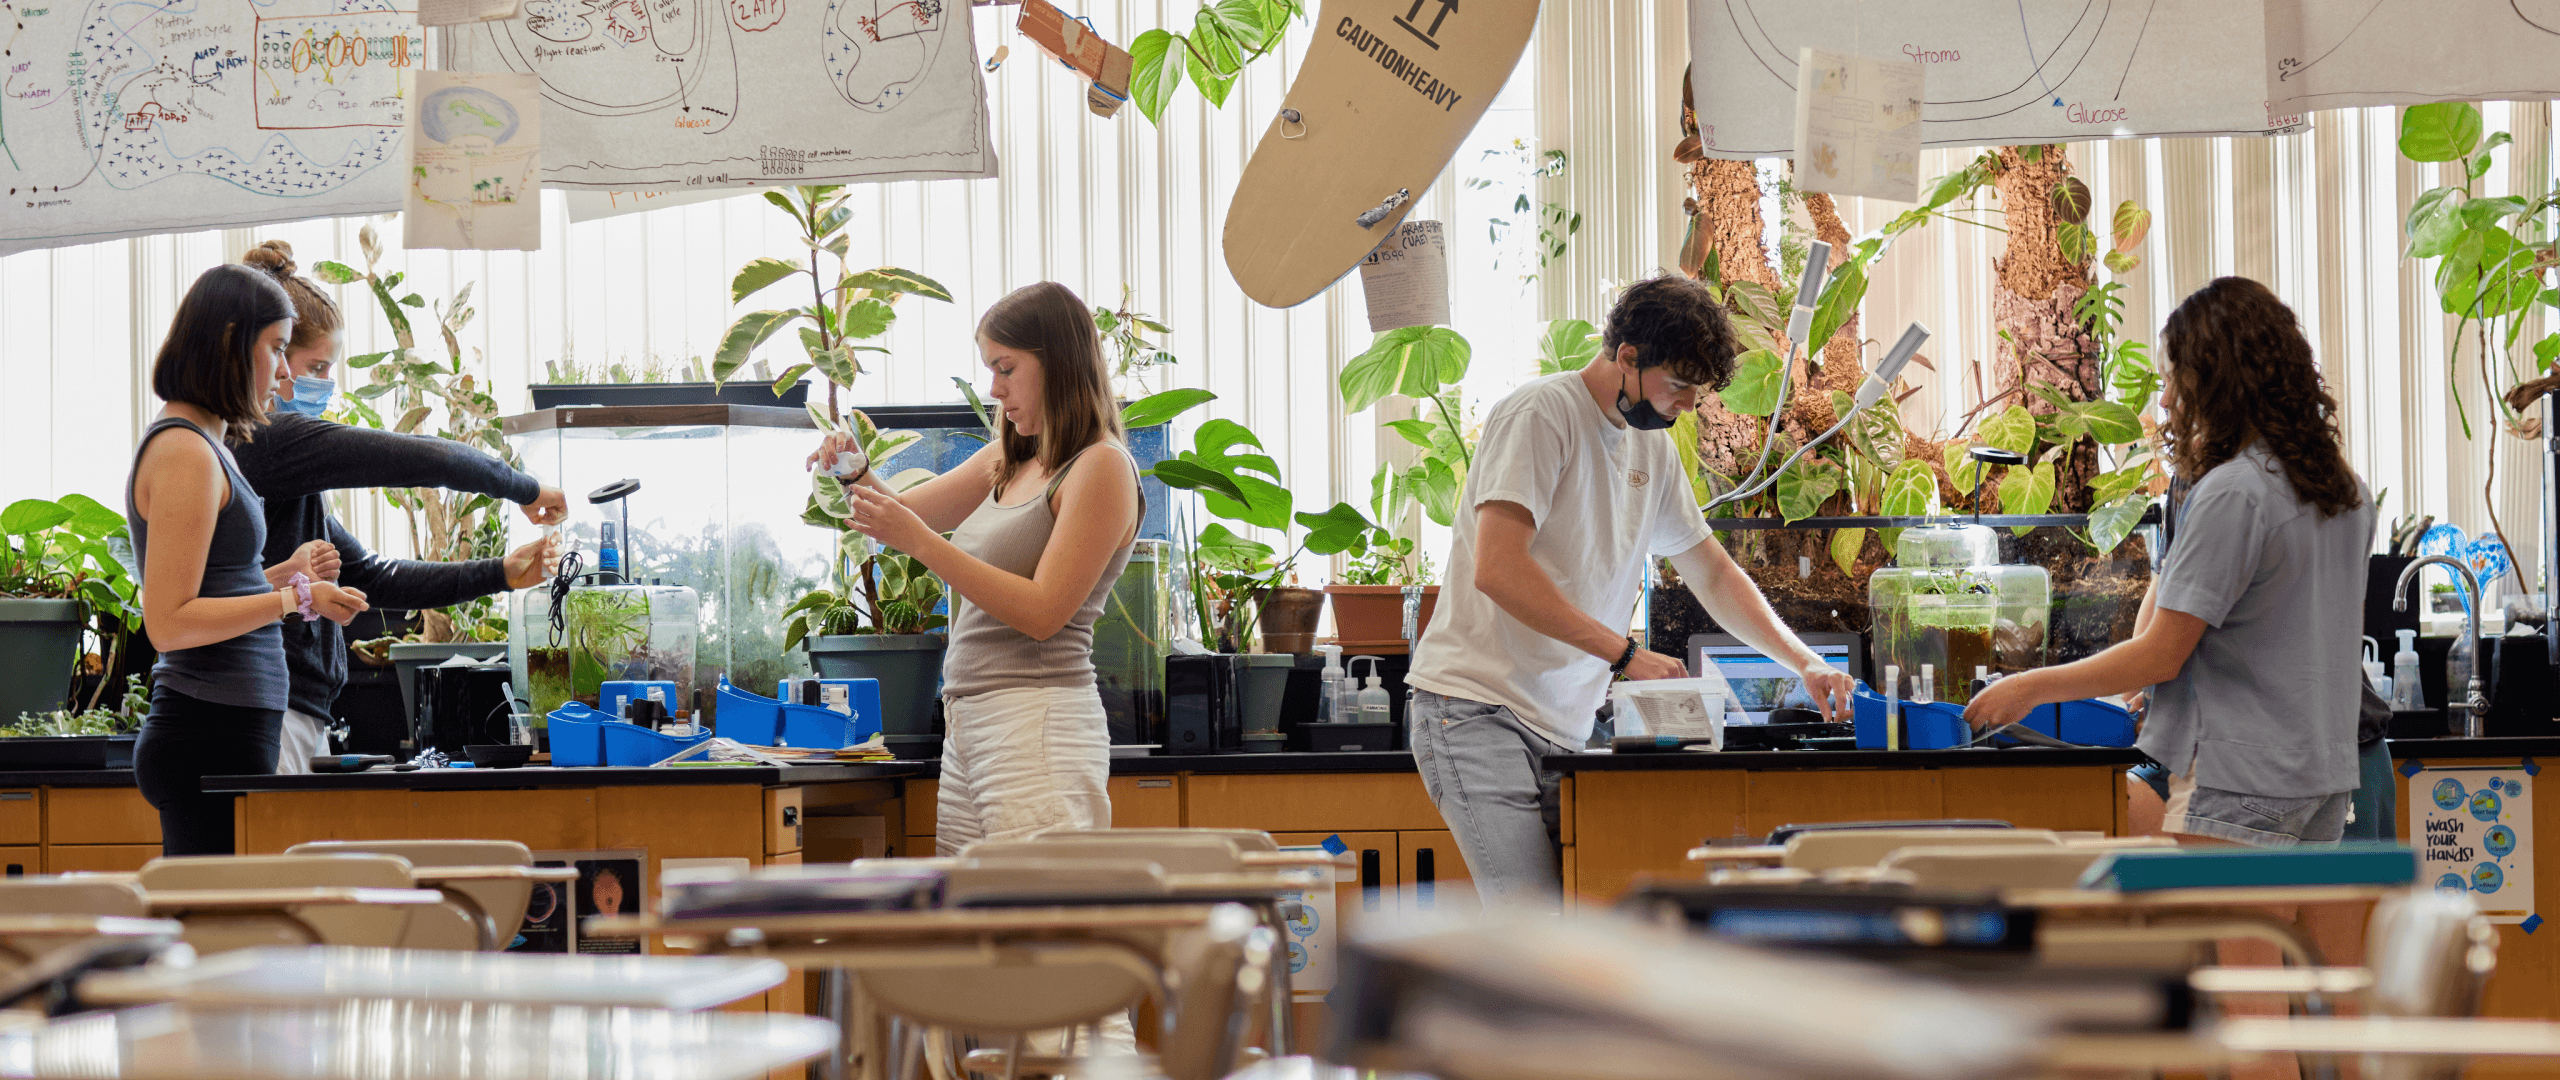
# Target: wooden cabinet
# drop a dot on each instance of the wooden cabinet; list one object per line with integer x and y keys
{"x": 98, "y": 858}
{"x": 99, "y": 816}
{"x": 1434, "y": 875}
{"x": 1146, "y": 802}
{"x": 1310, "y": 802}
{"x": 21, "y": 816}
{"x": 1377, "y": 857}
{"x": 21, "y": 860}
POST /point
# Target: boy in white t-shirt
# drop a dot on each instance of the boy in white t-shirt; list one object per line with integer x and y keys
{"x": 1574, "y": 484}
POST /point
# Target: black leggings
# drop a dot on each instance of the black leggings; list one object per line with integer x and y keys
{"x": 183, "y": 741}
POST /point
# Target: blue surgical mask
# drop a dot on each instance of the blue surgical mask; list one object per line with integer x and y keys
{"x": 310, "y": 395}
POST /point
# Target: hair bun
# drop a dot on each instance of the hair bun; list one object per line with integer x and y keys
{"x": 274, "y": 257}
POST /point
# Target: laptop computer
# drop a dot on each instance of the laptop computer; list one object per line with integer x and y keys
{"x": 1760, "y": 683}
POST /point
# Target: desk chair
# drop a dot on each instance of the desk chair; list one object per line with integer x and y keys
{"x": 1828, "y": 849}
{"x": 483, "y": 911}
{"x": 360, "y": 924}
{"x": 2428, "y": 954}
{"x": 2001, "y": 866}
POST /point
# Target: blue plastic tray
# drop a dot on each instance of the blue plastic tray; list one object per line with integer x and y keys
{"x": 757, "y": 720}
{"x": 577, "y": 735}
{"x": 1935, "y": 726}
{"x": 629, "y": 745}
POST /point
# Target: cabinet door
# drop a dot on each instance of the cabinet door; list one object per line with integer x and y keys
{"x": 1435, "y": 875}
{"x": 1380, "y": 867}
{"x": 21, "y": 861}
{"x": 98, "y": 858}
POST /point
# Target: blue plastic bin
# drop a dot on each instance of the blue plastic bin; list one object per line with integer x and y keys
{"x": 757, "y": 720}
{"x": 611, "y": 695}
{"x": 861, "y": 695}
{"x": 629, "y": 745}
{"x": 577, "y": 735}
{"x": 2095, "y": 723}
{"x": 1935, "y": 726}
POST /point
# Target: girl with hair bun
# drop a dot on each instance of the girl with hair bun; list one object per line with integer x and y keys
{"x": 301, "y": 456}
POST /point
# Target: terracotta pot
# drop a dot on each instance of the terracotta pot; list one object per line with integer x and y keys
{"x": 1369, "y": 613}
{"x": 1289, "y": 617}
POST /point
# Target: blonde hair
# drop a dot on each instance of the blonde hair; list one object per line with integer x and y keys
{"x": 314, "y": 314}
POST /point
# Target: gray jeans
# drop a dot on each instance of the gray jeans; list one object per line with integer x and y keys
{"x": 1480, "y": 764}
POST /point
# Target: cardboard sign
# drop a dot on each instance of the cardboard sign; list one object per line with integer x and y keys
{"x": 2473, "y": 829}
{"x": 1388, "y": 91}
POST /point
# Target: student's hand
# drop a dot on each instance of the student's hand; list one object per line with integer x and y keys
{"x": 2002, "y": 703}
{"x": 838, "y": 442}
{"x": 317, "y": 560}
{"x": 549, "y": 508}
{"x": 882, "y": 517}
{"x": 1648, "y": 664}
{"x": 533, "y": 563}
{"x": 340, "y": 606}
{"x": 1829, "y": 687}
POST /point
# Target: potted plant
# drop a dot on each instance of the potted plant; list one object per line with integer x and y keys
{"x": 97, "y": 737}
{"x": 67, "y": 574}
{"x": 1384, "y": 575}
{"x": 856, "y": 307}
{"x": 652, "y": 382}
{"x": 1239, "y": 582}
{"x": 875, "y": 619}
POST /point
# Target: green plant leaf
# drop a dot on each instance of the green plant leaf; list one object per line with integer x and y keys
{"x": 2118, "y": 262}
{"x": 2486, "y": 274}
{"x": 2131, "y": 224}
{"x": 1436, "y": 488}
{"x": 1155, "y": 409}
{"x": 1192, "y": 476}
{"x": 1219, "y": 547}
{"x": 1962, "y": 470}
{"x": 866, "y": 318}
{"x": 1845, "y": 545}
{"x": 2112, "y": 486}
{"x": 1838, "y": 304}
{"x": 2484, "y": 212}
{"x": 335, "y": 273}
{"x": 2027, "y": 490}
{"x": 28, "y": 516}
{"x": 2012, "y": 429}
{"x": 2439, "y": 131}
{"x": 90, "y": 518}
{"x": 1567, "y": 345}
{"x": 1336, "y": 530}
{"x": 890, "y": 280}
{"x": 1911, "y": 490}
{"x": 1803, "y": 488}
{"x": 758, "y": 275}
{"x": 2111, "y": 422}
{"x": 2434, "y": 223}
{"x": 2075, "y": 241}
{"x": 2546, "y": 352}
{"x": 2111, "y": 523}
{"x": 1754, "y": 389}
{"x": 743, "y": 338}
{"x": 1156, "y": 65}
{"x": 1416, "y": 361}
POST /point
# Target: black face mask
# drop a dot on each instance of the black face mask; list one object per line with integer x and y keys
{"x": 1641, "y": 416}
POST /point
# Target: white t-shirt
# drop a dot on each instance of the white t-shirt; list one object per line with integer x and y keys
{"x": 1603, "y": 497}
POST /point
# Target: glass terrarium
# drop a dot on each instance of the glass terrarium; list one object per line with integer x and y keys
{"x": 1950, "y": 605}
{"x": 722, "y": 488}
{"x": 1130, "y": 641}
{"x": 597, "y": 634}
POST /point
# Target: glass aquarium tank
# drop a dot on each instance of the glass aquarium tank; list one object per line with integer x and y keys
{"x": 1948, "y": 604}
{"x": 722, "y": 489}
{"x": 1130, "y": 641}
{"x": 600, "y": 633}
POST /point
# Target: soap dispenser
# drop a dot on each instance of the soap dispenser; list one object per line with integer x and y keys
{"x": 2406, "y": 694}
{"x": 1375, "y": 705}
{"x": 1333, "y": 705}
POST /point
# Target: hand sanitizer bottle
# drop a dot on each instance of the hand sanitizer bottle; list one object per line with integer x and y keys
{"x": 2406, "y": 694}
{"x": 1332, "y": 705}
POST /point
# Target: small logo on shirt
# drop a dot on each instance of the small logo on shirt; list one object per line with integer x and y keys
{"x": 1636, "y": 478}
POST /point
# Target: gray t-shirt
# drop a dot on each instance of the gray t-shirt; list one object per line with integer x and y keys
{"x": 2267, "y": 704}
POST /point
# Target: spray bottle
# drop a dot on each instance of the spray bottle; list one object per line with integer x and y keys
{"x": 1332, "y": 705}
{"x": 1375, "y": 706}
{"x": 2406, "y": 694}
{"x": 2375, "y": 675}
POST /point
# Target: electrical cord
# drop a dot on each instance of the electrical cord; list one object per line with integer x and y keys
{"x": 1745, "y": 493}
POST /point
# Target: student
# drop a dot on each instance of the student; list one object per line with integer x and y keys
{"x": 1574, "y": 484}
{"x": 2249, "y": 639}
{"x": 1042, "y": 522}
{"x": 299, "y": 456}
{"x": 199, "y": 528}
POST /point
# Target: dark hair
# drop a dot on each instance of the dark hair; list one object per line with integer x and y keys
{"x": 1673, "y": 322}
{"x": 1048, "y": 321}
{"x": 314, "y": 314}
{"x": 2240, "y": 370}
{"x": 207, "y": 358}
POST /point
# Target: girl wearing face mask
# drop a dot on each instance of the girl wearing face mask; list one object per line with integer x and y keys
{"x": 300, "y": 456}
{"x": 1042, "y": 522}
{"x": 199, "y": 527}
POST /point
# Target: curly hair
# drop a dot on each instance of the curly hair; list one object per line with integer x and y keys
{"x": 1675, "y": 322}
{"x": 2241, "y": 371}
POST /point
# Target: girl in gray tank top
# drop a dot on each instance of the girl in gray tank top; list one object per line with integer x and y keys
{"x": 1041, "y": 524}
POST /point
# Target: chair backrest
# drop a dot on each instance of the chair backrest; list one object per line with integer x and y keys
{"x": 354, "y": 924}
{"x": 1176, "y": 854}
{"x": 448, "y": 926}
{"x": 1826, "y": 849}
{"x": 2118, "y": 843}
{"x": 1026, "y": 986}
{"x": 2430, "y": 952}
{"x": 2009, "y": 866}
{"x": 1783, "y": 833}
{"x": 70, "y": 896}
{"x": 1214, "y": 973}
{"x": 1244, "y": 839}
{"x": 1029, "y": 880}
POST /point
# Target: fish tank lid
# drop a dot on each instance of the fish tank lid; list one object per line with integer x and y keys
{"x": 656, "y": 416}
{"x": 1947, "y": 545}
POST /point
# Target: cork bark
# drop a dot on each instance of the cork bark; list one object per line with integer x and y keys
{"x": 1729, "y": 224}
{"x": 2031, "y": 300}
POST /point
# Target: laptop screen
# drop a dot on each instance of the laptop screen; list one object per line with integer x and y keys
{"x": 1759, "y": 683}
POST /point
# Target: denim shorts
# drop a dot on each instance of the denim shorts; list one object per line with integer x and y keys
{"x": 2255, "y": 820}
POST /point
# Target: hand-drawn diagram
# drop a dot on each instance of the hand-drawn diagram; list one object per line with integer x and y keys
{"x": 1999, "y": 71}
{"x": 646, "y": 95}
{"x": 475, "y": 163}
{"x": 124, "y": 119}
{"x": 2334, "y": 54}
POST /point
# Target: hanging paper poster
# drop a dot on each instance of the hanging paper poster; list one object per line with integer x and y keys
{"x": 459, "y": 12}
{"x": 475, "y": 163}
{"x": 658, "y": 95}
{"x": 2473, "y": 829}
{"x": 594, "y": 205}
{"x": 1406, "y": 280}
{"x": 121, "y": 119}
{"x": 2336, "y": 54}
{"x": 1858, "y": 125}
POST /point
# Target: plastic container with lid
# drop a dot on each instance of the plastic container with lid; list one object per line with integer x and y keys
{"x": 1949, "y": 606}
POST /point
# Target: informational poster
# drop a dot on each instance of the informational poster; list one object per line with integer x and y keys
{"x": 1858, "y": 125}
{"x": 475, "y": 163}
{"x": 1406, "y": 280}
{"x": 2336, "y": 54}
{"x": 120, "y": 119}
{"x": 660, "y": 95}
{"x": 609, "y": 883}
{"x": 459, "y": 12}
{"x": 1313, "y": 936}
{"x": 2473, "y": 828}
{"x": 593, "y": 205}
{"x": 2000, "y": 71}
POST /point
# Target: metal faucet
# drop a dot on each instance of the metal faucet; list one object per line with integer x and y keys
{"x": 2475, "y": 706}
